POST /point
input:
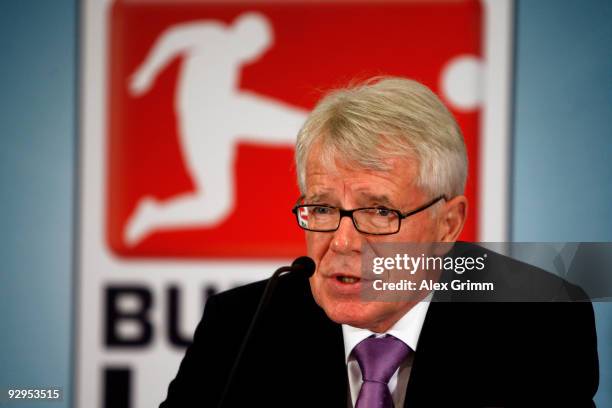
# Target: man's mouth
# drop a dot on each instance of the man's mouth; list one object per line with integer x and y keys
{"x": 347, "y": 279}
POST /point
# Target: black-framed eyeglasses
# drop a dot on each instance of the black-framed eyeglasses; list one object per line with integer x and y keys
{"x": 367, "y": 220}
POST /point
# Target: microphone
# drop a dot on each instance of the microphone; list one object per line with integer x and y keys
{"x": 304, "y": 266}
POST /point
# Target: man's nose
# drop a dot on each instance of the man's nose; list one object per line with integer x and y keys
{"x": 346, "y": 238}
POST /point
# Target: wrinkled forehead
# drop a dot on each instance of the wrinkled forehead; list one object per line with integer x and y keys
{"x": 330, "y": 173}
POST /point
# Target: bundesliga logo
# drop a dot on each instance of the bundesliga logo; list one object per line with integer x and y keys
{"x": 206, "y": 102}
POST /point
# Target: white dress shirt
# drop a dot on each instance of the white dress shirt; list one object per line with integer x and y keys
{"x": 407, "y": 329}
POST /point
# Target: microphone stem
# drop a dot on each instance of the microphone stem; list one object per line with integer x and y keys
{"x": 265, "y": 298}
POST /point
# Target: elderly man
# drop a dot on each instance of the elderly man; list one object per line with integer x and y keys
{"x": 383, "y": 162}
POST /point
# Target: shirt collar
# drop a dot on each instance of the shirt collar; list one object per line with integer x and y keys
{"x": 407, "y": 329}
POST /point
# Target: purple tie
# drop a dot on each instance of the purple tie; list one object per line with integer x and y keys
{"x": 378, "y": 359}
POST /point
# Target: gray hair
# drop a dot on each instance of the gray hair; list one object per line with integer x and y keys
{"x": 387, "y": 117}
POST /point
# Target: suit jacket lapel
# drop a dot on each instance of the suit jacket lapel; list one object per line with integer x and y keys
{"x": 428, "y": 376}
{"x": 326, "y": 365}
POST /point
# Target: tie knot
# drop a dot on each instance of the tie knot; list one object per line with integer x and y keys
{"x": 380, "y": 357}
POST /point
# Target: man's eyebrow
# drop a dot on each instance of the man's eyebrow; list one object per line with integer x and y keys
{"x": 380, "y": 199}
{"x": 316, "y": 197}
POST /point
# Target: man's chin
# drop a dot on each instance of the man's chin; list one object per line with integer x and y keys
{"x": 355, "y": 313}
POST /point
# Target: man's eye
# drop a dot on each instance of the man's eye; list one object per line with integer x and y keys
{"x": 384, "y": 212}
{"x": 321, "y": 210}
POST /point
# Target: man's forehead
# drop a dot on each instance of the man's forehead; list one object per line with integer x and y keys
{"x": 401, "y": 169}
{"x": 364, "y": 186}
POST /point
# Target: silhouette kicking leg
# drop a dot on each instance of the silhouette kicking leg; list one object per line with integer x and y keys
{"x": 264, "y": 120}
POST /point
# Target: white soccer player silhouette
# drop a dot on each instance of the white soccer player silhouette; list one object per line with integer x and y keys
{"x": 212, "y": 115}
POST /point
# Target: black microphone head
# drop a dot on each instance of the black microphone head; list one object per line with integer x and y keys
{"x": 305, "y": 265}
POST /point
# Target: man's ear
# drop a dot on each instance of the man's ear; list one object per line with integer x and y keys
{"x": 452, "y": 218}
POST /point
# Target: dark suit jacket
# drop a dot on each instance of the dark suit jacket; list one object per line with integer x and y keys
{"x": 481, "y": 354}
